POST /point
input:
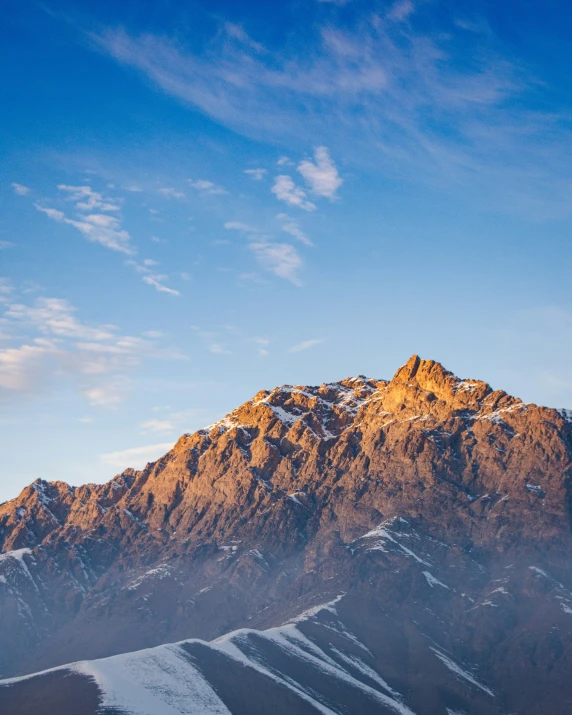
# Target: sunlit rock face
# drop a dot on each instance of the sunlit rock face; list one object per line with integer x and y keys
{"x": 436, "y": 510}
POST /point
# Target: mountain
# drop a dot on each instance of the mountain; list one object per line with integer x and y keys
{"x": 432, "y": 515}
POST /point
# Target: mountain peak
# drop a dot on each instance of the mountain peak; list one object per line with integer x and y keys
{"x": 431, "y": 376}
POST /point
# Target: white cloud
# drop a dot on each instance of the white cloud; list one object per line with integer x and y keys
{"x": 263, "y": 346}
{"x": 85, "y": 420}
{"x": 285, "y": 161}
{"x": 322, "y": 176}
{"x": 282, "y": 259}
{"x": 289, "y": 225}
{"x": 211, "y": 341}
{"x": 218, "y": 349}
{"x": 58, "y": 347}
{"x": 153, "y": 279}
{"x": 238, "y": 33}
{"x": 207, "y": 187}
{"x": 401, "y": 10}
{"x": 157, "y": 426}
{"x": 136, "y": 457}
{"x": 98, "y": 228}
{"x": 156, "y": 282}
{"x": 20, "y": 189}
{"x": 55, "y": 316}
{"x": 256, "y": 174}
{"x": 239, "y": 226}
{"x": 105, "y": 395}
{"x": 305, "y": 345}
{"x": 87, "y": 199}
{"x": 22, "y": 368}
{"x": 172, "y": 193}
{"x": 93, "y": 220}
{"x": 286, "y": 190}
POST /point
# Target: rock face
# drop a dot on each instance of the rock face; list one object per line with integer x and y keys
{"x": 439, "y": 507}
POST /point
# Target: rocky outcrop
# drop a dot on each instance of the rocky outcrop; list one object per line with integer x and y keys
{"x": 257, "y": 516}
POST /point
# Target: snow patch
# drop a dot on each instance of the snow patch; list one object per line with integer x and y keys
{"x": 454, "y": 668}
{"x": 432, "y": 581}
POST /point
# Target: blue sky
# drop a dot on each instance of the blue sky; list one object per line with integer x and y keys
{"x": 201, "y": 200}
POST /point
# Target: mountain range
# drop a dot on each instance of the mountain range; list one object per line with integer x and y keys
{"x": 363, "y": 546}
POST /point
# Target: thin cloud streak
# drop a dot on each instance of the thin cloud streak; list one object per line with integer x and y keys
{"x": 305, "y": 345}
{"x": 136, "y": 457}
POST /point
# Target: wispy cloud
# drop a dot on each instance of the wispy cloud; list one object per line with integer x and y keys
{"x": 156, "y": 280}
{"x": 286, "y": 190}
{"x": 401, "y": 10}
{"x": 56, "y": 317}
{"x": 256, "y": 174}
{"x": 289, "y": 225}
{"x": 212, "y": 341}
{"x": 171, "y": 193}
{"x": 262, "y": 344}
{"x": 305, "y": 345}
{"x": 136, "y": 457}
{"x": 282, "y": 259}
{"x": 100, "y": 227}
{"x": 428, "y": 98}
{"x": 207, "y": 187}
{"x": 157, "y": 426}
{"x": 20, "y": 189}
{"x": 147, "y": 270}
{"x": 240, "y": 226}
{"x": 87, "y": 199}
{"x": 47, "y": 342}
{"x": 105, "y": 395}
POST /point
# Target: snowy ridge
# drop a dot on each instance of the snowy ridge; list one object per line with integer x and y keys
{"x": 328, "y": 403}
{"x": 173, "y": 680}
{"x": 157, "y": 681}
